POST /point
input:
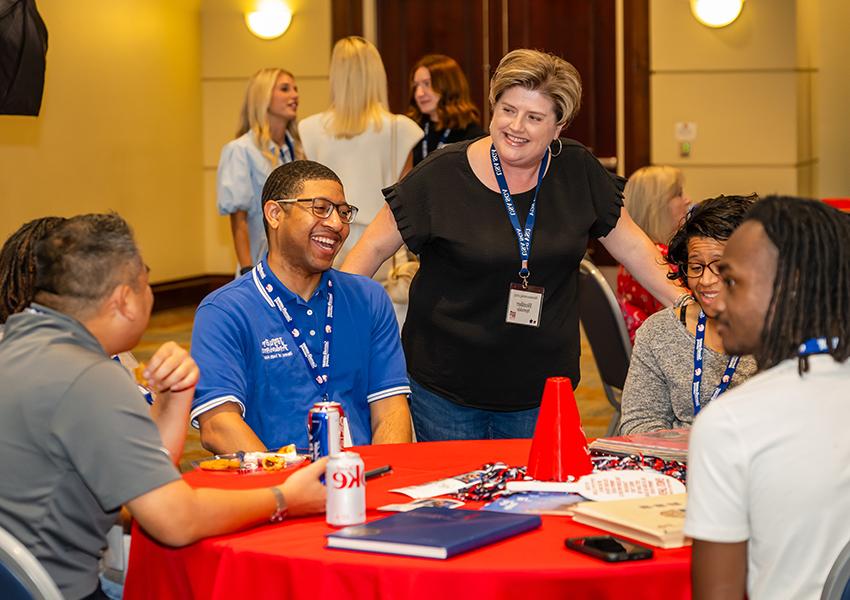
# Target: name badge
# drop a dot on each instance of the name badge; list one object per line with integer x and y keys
{"x": 524, "y": 305}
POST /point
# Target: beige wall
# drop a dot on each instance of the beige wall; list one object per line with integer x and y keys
{"x": 766, "y": 93}
{"x": 119, "y": 128}
{"x": 230, "y": 54}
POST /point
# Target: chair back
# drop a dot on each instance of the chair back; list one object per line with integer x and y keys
{"x": 604, "y": 325}
{"x": 837, "y": 585}
{"x": 21, "y": 576}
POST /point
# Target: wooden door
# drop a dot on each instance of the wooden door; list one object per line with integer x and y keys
{"x": 477, "y": 33}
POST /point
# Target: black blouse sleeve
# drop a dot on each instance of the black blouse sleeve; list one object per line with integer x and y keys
{"x": 409, "y": 203}
{"x": 606, "y": 192}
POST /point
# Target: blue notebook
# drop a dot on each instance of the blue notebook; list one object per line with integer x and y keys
{"x": 432, "y": 532}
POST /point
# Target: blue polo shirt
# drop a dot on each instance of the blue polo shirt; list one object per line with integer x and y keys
{"x": 247, "y": 355}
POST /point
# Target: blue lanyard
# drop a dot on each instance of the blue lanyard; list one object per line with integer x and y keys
{"x": 290, "y": 148}
{"x": 523, "y": 235}
{"x": 727, "y": 375}
{"x": 816, "y": 346}
{"x": 318, "y": 372}
{"x": 443, "y": 138}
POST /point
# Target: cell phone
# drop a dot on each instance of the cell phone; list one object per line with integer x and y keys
{"x": 608, "y": 548}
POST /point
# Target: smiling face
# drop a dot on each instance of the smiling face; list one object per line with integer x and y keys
{"x": 284, "y": 101}
{"x": 301, "y": 240}
{"x": 523, "y": 126}
{"x": 426, "y": 98}
{"x": 747, "y": 271}
{"x": 704, "y": 251}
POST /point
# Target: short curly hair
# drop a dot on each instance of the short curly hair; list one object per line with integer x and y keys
{"x": 715, "y": 218}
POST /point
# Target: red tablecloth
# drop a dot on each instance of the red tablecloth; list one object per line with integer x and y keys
{"x": 289, "y": 560}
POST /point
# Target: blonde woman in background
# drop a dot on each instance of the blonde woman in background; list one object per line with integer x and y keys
{"x": 267, "y": 138}
{"x": 656, "y": 201}
{"x": 357, "y": 137}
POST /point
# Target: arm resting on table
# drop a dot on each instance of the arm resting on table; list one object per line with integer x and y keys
{"x": 719, "y": 570}
{"x": 379, "y": 242}
{"x": 391, "y": 422}
{"x": 630, "y": 245}
{"x": 223, "y": 430}
{"x": 176, "y": 514}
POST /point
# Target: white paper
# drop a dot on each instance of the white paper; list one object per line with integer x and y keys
{"x": 608, "y": 485}
{"x": 451, "y": 485}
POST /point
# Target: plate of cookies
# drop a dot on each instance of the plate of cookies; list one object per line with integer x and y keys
{"x": 251, "y": 462}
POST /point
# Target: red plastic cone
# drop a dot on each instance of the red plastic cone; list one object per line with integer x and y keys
{"x": 559, "y": 449}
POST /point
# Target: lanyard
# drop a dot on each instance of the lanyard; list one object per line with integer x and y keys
{"x": 289, "y": 149}
{"x": 319, "y": 373}
{"x": 443, "y": 138}
{"x": 816, "y": 346}
{"x": 727, "y": 375}
{"x": 523, "y": 235}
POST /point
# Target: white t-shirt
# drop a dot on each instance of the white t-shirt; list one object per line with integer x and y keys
{"x": 769, "y": 462}
{"x": 364, "y": 163}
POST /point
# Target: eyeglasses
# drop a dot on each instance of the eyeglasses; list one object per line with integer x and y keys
{"x": 696, "y": 270}
{"x": 322, "y": 208}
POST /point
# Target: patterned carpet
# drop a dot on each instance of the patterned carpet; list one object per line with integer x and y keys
{"x": 176, "y": 324}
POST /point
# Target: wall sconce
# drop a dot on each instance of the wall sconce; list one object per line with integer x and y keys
{"x": 270, "y": 20}
{"x": 716, "y": 13}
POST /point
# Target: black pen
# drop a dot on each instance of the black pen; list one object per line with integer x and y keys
{"x": 377, "y": 472}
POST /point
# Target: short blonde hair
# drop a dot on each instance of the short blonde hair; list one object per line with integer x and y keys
{"x": 542, "y": 72}
{"x": 647, "y": 198}
{"x": 254, "y": 116}
{"x": 358, "y": 84}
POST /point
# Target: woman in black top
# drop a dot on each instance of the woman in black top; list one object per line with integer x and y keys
{"x": 491, "y": 315}
{"x": 440, "y": 103}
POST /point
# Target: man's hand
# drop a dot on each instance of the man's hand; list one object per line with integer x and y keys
{"x": 172, "y": 374}
{"x": 171, "y": 369}
{"x": 304, "y": 493}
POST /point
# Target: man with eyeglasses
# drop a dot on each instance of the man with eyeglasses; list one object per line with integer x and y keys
{"x": 294, "y": 331}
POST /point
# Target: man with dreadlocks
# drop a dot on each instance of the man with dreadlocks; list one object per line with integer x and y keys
{"x": 17, "y": 265}
{"x": 769, "y": 483}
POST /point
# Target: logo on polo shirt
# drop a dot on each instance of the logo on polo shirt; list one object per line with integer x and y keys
{"x": 272, "y": 348}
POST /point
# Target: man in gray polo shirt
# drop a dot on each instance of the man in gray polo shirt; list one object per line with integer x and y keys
{"x": 77, "y": 439}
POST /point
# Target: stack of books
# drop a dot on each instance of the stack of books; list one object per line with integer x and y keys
{"x": 667, "y": 444}
{"x": 658, "y": 520}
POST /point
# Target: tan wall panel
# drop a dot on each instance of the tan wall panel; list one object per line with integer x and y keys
{"x": 708, "y": 182}
{"x": 119, "y": 130}
{"x": 230, "y": 50}
{"x": 748, "y": 118}
{"x": 219, "y": 256}
{"x": 833, "y": 100}
{"x": 763, "y": 37}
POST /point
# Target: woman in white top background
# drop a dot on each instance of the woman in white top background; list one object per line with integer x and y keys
{"x": 267, "y": 138}
{"x": 358, "y": 137}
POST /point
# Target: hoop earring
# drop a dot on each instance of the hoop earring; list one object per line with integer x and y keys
{"x": 560, "y": 147}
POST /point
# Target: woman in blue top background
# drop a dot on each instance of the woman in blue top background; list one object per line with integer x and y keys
{"x": 267, "y": 138}
{"x": 440, "y": 103}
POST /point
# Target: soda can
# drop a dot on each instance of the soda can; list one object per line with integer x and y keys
{"x": 346, "y": 483}
{"x": 325, "y": 429}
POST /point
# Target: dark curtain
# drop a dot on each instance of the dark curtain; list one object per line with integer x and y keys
{"x": 23, "y": 49}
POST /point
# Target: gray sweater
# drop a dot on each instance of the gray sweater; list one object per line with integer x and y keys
{"x": 657, "y": 394}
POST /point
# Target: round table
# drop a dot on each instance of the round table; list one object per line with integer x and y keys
{"x": 290, "y": 560}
